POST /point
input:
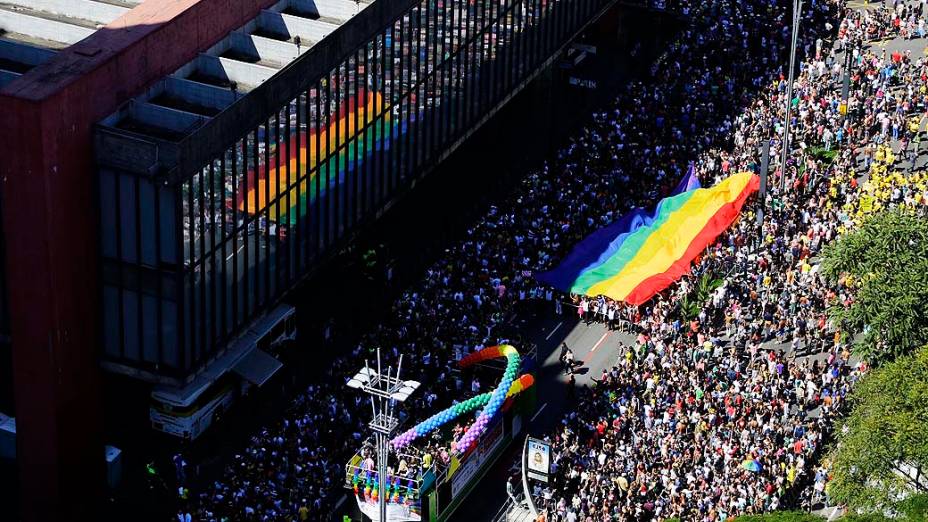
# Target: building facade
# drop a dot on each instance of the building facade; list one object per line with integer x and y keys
{"x": 171, "y": 169}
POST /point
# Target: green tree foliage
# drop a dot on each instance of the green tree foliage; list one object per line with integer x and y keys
{"x": 913, "y": 509}
{"x": 885, "y": 262}
{"x": 694, "y": 301}
{"x": 882, "y": 450}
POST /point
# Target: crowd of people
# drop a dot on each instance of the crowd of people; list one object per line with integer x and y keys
{"x": 725, "y": 415}
{"x": 700, "y": 418}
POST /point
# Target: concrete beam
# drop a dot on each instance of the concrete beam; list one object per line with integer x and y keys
{"x": 267, "y": 49}
{"x": 24, "y": 54}
{"x": 173, "y": 120}
{"x": 42, "y": 28}
{"x": 242, "y": 73}
{"x": 340, "y": 10}
{"x": 84, "y": 9}
{"x": 198, "y": 93}
{"x": 271, "y": 22}
{"x": 310, "y": 31}
{"x": 7, "y": 76}
{"x": 336, "y": 9}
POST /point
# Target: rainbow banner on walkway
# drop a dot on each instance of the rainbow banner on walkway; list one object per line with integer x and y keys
{"x": 640, "y": 255}
{"x": 257, "y": 188}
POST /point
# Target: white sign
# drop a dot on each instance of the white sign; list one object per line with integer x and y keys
{"x": 395, "y": 512}
{"x": 539, "y": 459}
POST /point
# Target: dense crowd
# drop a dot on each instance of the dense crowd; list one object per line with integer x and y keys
{"x": 696, "y": 418}
{"x": 699, "y": 421}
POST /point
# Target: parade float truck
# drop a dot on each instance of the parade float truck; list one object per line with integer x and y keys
{"x": 437, "y": 488}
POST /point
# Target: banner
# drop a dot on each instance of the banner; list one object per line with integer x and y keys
{"x": 648, "y": 253}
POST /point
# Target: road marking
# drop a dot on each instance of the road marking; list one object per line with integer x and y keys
{"x": 537, "y": 413}
{"x": 555, "y": 329}
{"x": 236, "y": 252}
{"x": 595, "y": 346}
{"x": 601, "y": 339}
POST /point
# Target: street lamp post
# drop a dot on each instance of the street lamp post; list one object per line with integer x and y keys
{"x": 762, "y": 191}
{"x": 797, "y": 15}
{"x": 385, "y": 389}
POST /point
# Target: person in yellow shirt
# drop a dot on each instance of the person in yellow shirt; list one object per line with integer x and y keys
{"x": 879, "y": 155}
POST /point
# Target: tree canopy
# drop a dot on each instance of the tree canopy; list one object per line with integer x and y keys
{"x": 882, "y": 268}
{"x": 882, "y": 449}
{"x": 913, "y": 509}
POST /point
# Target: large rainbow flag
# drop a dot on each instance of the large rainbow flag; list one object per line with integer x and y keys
{"x": 641, "y": 254}
{"x": 269, "y": 181}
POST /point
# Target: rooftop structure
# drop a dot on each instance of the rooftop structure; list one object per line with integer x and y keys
{"x": 33, "y": 31}
{"x": 247, "y": 57}
{"x": 64, "y": 65}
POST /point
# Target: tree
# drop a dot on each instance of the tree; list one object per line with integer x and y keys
{"x": 913, "y": 509}
{"x": 885, "y": 264}
{"x": 881, "y": 454}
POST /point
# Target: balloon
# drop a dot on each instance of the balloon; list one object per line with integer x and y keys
{"x": 491, "y": 402}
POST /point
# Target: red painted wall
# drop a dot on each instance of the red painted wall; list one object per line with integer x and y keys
{"x": 50, "y": 220}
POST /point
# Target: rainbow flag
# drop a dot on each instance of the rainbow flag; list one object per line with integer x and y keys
{"x": 640, "y": 255}
{"x": 267, "y": 182}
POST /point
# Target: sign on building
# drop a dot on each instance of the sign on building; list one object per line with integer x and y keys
{"x": 539, "y": 459}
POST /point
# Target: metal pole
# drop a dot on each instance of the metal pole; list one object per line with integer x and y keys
{"x": 764, "y": 168}
{"x": 848, "y": 63}
{"x": 385, "y": 391}
{"x": 797, "y": 10}
{"x": 382, "y": 469}
{"x": 762, "y": 193}
{"x": 846, "y": 87}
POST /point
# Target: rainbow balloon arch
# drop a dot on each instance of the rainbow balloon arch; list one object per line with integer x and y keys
{"x": 490, "y": 402}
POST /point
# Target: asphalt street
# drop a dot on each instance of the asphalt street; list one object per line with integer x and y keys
{"x": 593, "y": 345}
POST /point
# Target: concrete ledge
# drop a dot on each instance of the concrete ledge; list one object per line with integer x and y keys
{"x": 24, "y": 54}
{"x": 147, "y": 43}
{"x": 84, "y": 9}
{"x": 337, "y": 9}
{"x": 42, "y": 28}
{"x": 174, "y": 120}
{"x": 242, "y": 73}
{"x": 199, "y": 93}
{"x": 120, "y": 150}
{"x": 310, "y": 31}
{"x": 267, "y": 49}
{"x": 7, "y": 76}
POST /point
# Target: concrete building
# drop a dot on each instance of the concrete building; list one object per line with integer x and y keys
{"x": 172, "y": 168}
{"x": 64, "y": 65}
